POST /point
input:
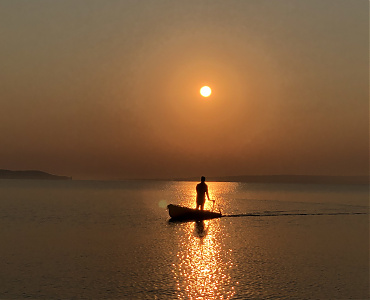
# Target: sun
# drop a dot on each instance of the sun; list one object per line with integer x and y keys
{"x": 205, "y": 91}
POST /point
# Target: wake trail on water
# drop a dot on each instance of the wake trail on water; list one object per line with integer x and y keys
{"x": 279, "y": 214}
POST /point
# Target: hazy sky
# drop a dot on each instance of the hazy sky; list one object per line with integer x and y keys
{"x": 110, "y": 89}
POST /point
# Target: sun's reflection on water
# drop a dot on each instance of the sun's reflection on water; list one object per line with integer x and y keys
{"x": 203, "y": 266}
{"x": 202, "y": 269}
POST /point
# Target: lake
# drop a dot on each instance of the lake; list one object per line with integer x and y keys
{"x": 113, "y": 240}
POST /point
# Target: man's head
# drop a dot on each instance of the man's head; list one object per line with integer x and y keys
{"x": 202, "y": 179}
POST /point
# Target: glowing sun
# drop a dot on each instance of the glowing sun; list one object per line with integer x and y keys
{"x": 205, "y": 91}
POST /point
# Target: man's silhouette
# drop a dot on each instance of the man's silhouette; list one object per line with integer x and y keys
{"x": 202, "y": 191}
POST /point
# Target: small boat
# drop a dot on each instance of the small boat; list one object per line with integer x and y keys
{"x": 182, "y": 213}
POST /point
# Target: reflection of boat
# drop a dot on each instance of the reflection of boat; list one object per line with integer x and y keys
{"x": 178, "y": 212}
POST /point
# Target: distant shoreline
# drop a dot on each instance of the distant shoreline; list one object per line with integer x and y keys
{"x": 303, "y": 179}
{"x": 278, "y": 179}
{"x": 30, "y": 174}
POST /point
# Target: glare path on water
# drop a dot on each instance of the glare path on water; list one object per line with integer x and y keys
{"x": 202, "y": 270}
{"x": 203, "y": 267}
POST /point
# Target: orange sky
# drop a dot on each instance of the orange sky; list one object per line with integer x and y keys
{"x": 110, "y": 89}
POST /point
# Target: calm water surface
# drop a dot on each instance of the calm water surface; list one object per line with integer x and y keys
{"x": 99, "y": 240}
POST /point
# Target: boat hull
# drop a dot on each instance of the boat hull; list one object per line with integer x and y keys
{"x": 178, "y": 212}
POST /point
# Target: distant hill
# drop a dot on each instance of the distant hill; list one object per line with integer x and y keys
{"x": 30, "y": 174}
{"x": 287, "y": 179}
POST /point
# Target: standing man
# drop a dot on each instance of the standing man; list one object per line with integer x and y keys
{"x": 202, "y": 191}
